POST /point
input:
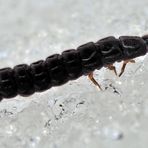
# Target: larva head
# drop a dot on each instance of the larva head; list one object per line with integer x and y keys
{"x": 132, "y": 46}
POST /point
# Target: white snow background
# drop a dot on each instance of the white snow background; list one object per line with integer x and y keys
{"x": 75, "y": 115}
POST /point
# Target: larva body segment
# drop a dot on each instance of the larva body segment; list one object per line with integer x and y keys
{"x": 110, "y": 50}
{"x": 132, "y": 46}
{"x": 8, "y": 87}
{"x": 72, "y": 63}
{"x": 90, "y": 57}
{"x": 41, "y": 80}
{"x": 56, "y": 70}
{"x": 23, "y": 80}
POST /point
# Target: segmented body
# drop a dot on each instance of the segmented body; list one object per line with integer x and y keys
{"x": 58, "y": 69}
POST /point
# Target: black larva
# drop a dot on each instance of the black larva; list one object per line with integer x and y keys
{"x": 58, "y": 69}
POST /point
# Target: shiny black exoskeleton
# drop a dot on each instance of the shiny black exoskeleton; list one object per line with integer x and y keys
{"x": 58, "y": 69}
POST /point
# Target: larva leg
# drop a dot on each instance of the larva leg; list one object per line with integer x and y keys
{"x": 124, "y": 65}
{"x": 90, "y": 76}
{"x": 113, "y": 68}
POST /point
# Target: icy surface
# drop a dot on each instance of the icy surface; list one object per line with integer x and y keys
{"x": 75, "y": 115}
